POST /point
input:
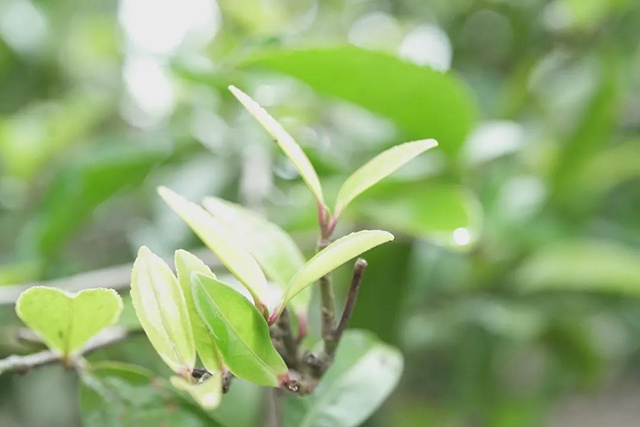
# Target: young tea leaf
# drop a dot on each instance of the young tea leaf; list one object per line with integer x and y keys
{"x": 222, "y": 242}
{"x": 381, "y": 166}
{"x": 187, "y": 264}
{"x": 285, "y": 141}
{"x": 207, "y": 393}
{"x": 272, "y": 247}
{"x": 332, "y": 257}
{"x": 162, "y": 311}
{"x": 240, "y": 331}
{"x": 66, "y": 321}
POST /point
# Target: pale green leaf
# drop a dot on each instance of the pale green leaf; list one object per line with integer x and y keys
{"x": 186, "y": 265}
{"x": 364, "y": 373}
{"x": 272, "y": 247}
{"x": 332, "y": 257}
{"x": 66, "y": 321}
{"x": 381, "y": 166}
{"x": 240, "y": 331}
{"x": 207, "y": 393}
{"x": 222, "y": 242}
{"x": 285, "y": 141}
{"x": 162, "y": 311}
{"x": 582, "y": 266}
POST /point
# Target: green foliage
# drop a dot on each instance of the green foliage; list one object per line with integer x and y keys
{"x": 115, "y": 394}
{"x": 286, "y": 143}
{"x": 162, "y": 311}
{"x": 65, "y": 321}
{"x": 383, "y": 165}
{"x": 272, "y": 247}
{"x": 240, "y": 331}
{"x": 364, "y": 373}
{"x": 186, "y": 265}
{"x": 420, "y": 100}
{"x": 220, "y": 240}
{"x": 207, "y": 393}
{"x": 332, "y": 257}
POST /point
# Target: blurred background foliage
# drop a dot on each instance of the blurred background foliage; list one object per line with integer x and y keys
{"x": 512, "y": 288}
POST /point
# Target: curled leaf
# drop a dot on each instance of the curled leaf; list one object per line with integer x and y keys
{"x": 222, "y": 242}
{"x": 272, "y": 247}
{"x": 285, "y": 141}
{"x": 378, "y": 168}
{"x": 207, "y": 393}
{"x": 162, "y": 311}
{"x": 332, "y": 257}
{"x": 186, "y": 265}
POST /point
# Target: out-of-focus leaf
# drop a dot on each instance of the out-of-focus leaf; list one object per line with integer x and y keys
{"x": 593, "y": 129}
{"x": 285, "y": 141}
{"x": 272, "y": 247}
{"x": 610, "y": 168}
{"x": 207, "y": 393}
{"x": 186, "y": 265}
{"x": 582, "y": 266}
{"x": 66, "y": 321}
{"x": 332, "y": 257}
{"x": 44, "y": 130}
{"x": 381, "y": 166}
{"x": 115, "y": 395}
{"x": 162, "y": 311}
{"x": 422, "y": 101}
{"x": 85, "y": 185}
{"x": 222, "y": 242}
{"x": 365, "y": 372}
{"x": 240, "y": 331}
{"x": 445, "y": 213}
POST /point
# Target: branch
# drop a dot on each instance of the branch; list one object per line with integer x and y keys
{"x": 327, "y": 300}
{"x": 358, "y": 271}
{"x": 24, "y": 364}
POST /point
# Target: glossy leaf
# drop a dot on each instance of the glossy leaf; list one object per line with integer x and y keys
{"x": 332, "y": 257}
{"x": 240, "y": 331}
{"x": 207, "y": 393}
{"x": 272, "y": 247}
{"x": 116, "y": 394}
{"x": 365, "y": 372}
{"x": 381, "y": 166}
{"x": 422, "y": 101}
{"x": 186, "y": 265}
{"x": 162, "y": 311}
{"x": 285, "y": 141}
{"x": 221, "y": 241}
{"x": 582, "y": 266}
{"x": 66, "y": 321}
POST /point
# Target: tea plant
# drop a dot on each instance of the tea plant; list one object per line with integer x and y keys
{"x": 254, "y": 330}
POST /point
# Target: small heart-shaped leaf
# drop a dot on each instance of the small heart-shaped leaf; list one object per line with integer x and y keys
{"x": 222, "y": 242}
{"x": 332, "y": 257}
{"x": 207, "y": 393}
{"x": 272, "y": 247}
{"x": 285, "y": 141}
{"x": 240, "y": 331}
{"x": 378, "y": 168}
{"x": 65, "y": 321}
{"x": 187, "y": 264}
{"x": 162, "y": 311}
